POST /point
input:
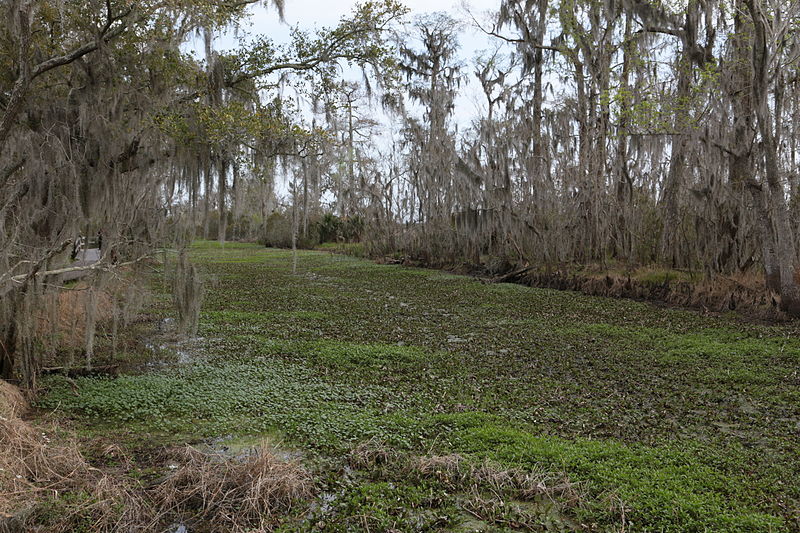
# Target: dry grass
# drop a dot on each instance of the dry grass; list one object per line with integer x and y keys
{"x": 458, "y": 473}
{"x": 40, "y": 464}
{"x": 12, "y": 402}
{"x": 63, "y": 323}
{"x": 450, "y": 469}
{"x": 48, "y": 485}
{"x": 372, "y": 454}
{"x": 207, "y": 490}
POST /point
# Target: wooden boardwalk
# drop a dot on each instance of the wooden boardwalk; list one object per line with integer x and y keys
{"x": 86, "y": 257}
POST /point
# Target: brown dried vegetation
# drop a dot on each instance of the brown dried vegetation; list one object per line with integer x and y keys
{"x": 213, "y": 490}
{"x": 47, "y": 484}
{"x": 458, "y": 473}
{"x": 63, "y": 324}
{"x": 40, "y": 464}
{"x": 744, "y": 293}
{"x": 12, "y": 402}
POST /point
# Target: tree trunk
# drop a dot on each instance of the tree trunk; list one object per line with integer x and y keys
{"x": 222, "y": 186}
{"x": 209, "y": 186}
{"x": 668, "y": 251}
{"x": 785, "y": 251}
{"x": 16, "y": 100}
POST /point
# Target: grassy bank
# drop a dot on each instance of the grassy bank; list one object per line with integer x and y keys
{"x": 655, "y": 419}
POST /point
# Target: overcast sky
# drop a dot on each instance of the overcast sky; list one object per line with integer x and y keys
{"x": 309, "y": 14}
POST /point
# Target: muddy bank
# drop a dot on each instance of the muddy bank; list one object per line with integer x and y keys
{"x": 720, "y": 295}
{"x": 748, "y": 296}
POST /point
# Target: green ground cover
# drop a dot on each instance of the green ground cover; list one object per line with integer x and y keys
{"x": 666, "y": 420}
